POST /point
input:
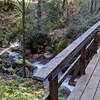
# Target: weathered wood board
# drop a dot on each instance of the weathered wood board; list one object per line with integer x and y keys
{"x": 88, "y": 87}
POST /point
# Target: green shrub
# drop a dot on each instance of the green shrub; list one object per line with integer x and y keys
{"x": 87, "y": 24}
{"x": 58, "y": 45}
{"x": 38, "y": 41}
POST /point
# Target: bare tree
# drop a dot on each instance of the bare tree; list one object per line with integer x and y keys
{"x": 39, "y": 15}
{"x": 65, "y": 7}
{"x": 69, "y": 10}
{"x": 92, "y": 6}
{"x": 63, "y": 3}
{"x": 23, "y": 32}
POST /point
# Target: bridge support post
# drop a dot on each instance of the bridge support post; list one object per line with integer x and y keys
{"x": 53, "y": 88}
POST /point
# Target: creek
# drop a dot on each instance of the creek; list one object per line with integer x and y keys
{"x": 39, "y": 63}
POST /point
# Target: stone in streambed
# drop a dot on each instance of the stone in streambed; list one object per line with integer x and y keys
{"x": 19, "y": 68}
{"x": 48, "y": 55}
{"x": 64, "y": 92}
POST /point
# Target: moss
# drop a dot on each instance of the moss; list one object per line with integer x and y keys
{"x": 58, "y": 45}
{"x": 20, "y": 62}
{"x": 16, "y": 90}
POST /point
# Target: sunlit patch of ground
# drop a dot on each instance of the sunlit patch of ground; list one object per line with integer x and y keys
{"x": 17, "y": 88}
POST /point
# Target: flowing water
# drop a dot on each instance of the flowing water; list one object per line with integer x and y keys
{"x": 38, "y": 63}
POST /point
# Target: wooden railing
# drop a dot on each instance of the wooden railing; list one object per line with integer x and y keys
{"x": 76, "y": 54}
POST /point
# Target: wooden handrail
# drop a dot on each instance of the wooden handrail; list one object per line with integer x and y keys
{"x": 51, "y": 70}
{"x": 66, "y": 55}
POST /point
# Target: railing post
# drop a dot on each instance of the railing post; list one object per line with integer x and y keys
{"x": 83, "y": 60}
{"x": 74, "y": 74}
{"x": 53, "y": 88}
{"x": 80, "y": 67}
{"x": 96, "y": 42}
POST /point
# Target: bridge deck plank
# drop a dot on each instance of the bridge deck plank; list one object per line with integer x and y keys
{"x": 87, "y": 87}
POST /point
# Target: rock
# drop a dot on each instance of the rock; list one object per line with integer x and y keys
{"x": 64, "y": 92}
{"x": 20, "y": 72}
{"x": 29, "y": 68}
{"x": 8, "y": 69}
{"x": 98, "y": 51}
{"x": 27, "y": 52}
{"x": 12, "y": 61}
{"x": 4, "y": 56}
{"x": 17, "y": 49}
{"x": 56, "y": 34}
{"x": 1, "y": 43}
{"x": 15, "y": 55}
{"x": 36, "y": 56}
{"x": 1, "y": 65}
{"x": 48, "y": 55}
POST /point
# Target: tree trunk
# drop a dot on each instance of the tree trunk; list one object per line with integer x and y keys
{"x": 63, "y": 4}
{"x": 39, "y": 15}
{"x": 92, "y": 6}
{"x": 66, "y": 8}
{"x": 23, "y": 33}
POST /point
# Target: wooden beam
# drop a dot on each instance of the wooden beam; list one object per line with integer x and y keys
{"x": 53, "y": 88}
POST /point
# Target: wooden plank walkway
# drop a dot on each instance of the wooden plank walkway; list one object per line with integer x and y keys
{"x": 88, "y": 87}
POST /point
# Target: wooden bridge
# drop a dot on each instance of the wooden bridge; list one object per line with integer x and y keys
{"x": 89, "y": 86}
{"x": 77, "y": 54}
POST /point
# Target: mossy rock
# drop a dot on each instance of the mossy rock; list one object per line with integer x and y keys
{"x": 20, "y": 62}
{"x": 18, "y": 66}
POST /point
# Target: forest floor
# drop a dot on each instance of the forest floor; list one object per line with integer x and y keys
{"x": 13, "y": 87}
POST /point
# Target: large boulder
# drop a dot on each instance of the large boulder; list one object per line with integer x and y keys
{"x": 64, "y": 92}
{"x": 19, "y": 68}
{"x": 47, "y": 55}
{"x": 53, "y": 36}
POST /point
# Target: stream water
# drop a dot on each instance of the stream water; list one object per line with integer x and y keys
{"x": 39, "y": 64}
